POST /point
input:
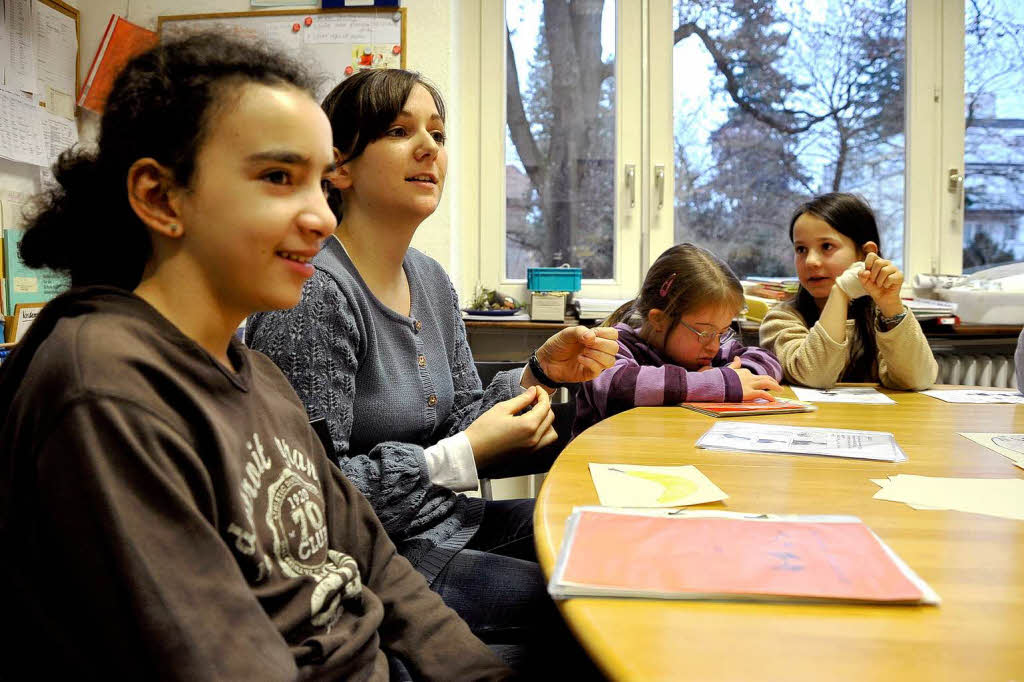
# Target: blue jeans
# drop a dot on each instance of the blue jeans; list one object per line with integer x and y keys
{"x": 497, "y": 587}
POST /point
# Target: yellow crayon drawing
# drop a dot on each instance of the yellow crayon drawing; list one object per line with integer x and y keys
{"x": 676, "y": 487}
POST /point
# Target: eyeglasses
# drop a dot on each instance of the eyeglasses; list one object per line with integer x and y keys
{"x": 707, "y": 336}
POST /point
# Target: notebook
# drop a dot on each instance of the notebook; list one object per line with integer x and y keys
{"x": 688, "y": 554}
{"x": 751, "y": 407}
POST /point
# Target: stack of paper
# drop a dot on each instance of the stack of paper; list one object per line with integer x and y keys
{"x": 929, "y": 308}
{"x": 802, "y": 440}
{"x": 687, "y": 554}
{"x": 992, "y": 496}
{"x": 631, "y": 485}
{"x": 1009, "y": 445}
{"x": 596, "y": 308}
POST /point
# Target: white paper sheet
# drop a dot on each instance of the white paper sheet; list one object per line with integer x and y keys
{"x": 630, "y": 485}
{"x": 281, "y": 34}
{"x": 353, "y": 29}
{"x": 21, "y": 130}
{"x": 976, "y": 395}
{"x": 795, "y": 440}
{"x": 865, "y": 395}
{"x": 5, "y": 47}
{"x": 21, "y": 75}
{"x": 56, "y": 47}
{"x": 1003, "y": 497}
{"x": 59, "y": 134}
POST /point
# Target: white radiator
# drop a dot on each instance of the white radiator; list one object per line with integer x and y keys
{"x": 977, "y": 369}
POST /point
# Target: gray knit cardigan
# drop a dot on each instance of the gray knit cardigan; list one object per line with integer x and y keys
{"x": 388, "y": 386}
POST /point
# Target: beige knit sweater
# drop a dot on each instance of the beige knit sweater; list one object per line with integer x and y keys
{"x": 812, "y": 358}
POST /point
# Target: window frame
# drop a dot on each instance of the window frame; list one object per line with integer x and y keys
{"x": 933, "y": 225}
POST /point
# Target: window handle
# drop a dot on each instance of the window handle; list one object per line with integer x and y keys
{"x": 631, "y": 183}
{"x": 956, "y": 186}
{"x": 659, "y": 184}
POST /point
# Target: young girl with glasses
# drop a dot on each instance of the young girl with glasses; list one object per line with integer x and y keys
{"x": 676, "y": 344}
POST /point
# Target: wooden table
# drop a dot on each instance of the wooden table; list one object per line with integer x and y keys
{"x": 974, "y": 562}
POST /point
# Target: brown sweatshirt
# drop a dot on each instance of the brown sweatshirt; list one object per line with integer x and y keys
{"x": 167, "y": 518}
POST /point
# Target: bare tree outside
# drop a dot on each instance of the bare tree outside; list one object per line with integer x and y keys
{"x": 994, "y": 139}
{"x": 774, "y": 101}
{"x": 804, "y": 99}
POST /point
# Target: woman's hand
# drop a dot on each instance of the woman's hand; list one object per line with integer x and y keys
{"x": 882, "y": 280}
{"x": 578, "y": 354}
{"x": 757, "y": 385}
{"x": 499, "y": 432}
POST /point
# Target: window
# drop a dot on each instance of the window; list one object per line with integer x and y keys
{"x": 994, "y": 137}
{"x": 775, "y": 102}
{"x": 560, "y": 136}
{"x": 711, "y": 120}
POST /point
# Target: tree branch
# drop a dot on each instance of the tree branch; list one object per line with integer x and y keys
{"x": 518, "y": 125}
{"x": 732, "y": 85}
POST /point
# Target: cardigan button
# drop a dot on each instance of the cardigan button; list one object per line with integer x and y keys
{"x": 432, "y": 400}
{"x": 418, "y": 325}
{"x": 421, "y": 360}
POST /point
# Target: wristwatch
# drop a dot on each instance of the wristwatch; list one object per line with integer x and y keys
{"x": 540, "y": 376}
{"x": 887, "y": 323}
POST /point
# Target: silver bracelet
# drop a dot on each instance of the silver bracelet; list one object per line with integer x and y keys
{"x": 889, "y": 322}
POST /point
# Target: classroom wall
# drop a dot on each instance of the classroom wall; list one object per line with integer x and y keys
{"x": 431, "y": 46}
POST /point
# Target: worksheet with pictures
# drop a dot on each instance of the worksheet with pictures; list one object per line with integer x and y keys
{"x": 802, "y": 440}
{"x": 976, "y": 395}
{"x": 863, "y": 395}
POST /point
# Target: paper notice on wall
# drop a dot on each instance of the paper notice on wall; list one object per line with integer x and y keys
{"x": 21, "y": 75}
{"x": 351, "y": 29}
{"x": 5, "y": 47}
{"x": 21, "y": 130}
{"x": 59, "y": 134}
{"x": 282, "y": 34}
{"x": 56, "y": 48}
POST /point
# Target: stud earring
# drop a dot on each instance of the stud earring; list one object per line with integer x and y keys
{"x": 174, "y": 228}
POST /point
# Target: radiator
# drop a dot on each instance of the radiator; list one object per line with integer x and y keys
{"x": 977, "y": 369}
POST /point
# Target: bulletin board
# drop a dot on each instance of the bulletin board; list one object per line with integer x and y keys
{"x": 333, "y": 43}
{"x": 39, "y": 56}
{"x": 40, "y": 81}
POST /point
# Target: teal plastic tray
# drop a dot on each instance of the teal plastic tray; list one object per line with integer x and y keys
{"x": 554, "y": 279}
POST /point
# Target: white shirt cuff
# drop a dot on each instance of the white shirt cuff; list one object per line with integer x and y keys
{"x": 451, "y": 464}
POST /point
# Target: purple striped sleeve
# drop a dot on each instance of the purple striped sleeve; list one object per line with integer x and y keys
{"x": 756, "y": 359}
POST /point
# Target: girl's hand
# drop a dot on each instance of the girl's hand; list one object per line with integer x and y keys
{"x": 578, "y": 354}
{"x": 735, "y": 364}
{"x": 498, "y": 432}
{"x": 757, "y": 385}
{"x": 882, "y": 280}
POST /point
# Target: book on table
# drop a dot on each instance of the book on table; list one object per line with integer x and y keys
{"x": 750, "y": 407}
{"x": 690, "y": 554}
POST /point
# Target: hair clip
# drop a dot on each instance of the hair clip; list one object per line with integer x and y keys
{"x": 667, "y": 285}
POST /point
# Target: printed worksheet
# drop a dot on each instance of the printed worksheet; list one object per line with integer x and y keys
{"x": 801, "y": 440}
{"x": 864, "y": 395}
{"x": 977, "y": 395}
{"x": 1009, "y": 445}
